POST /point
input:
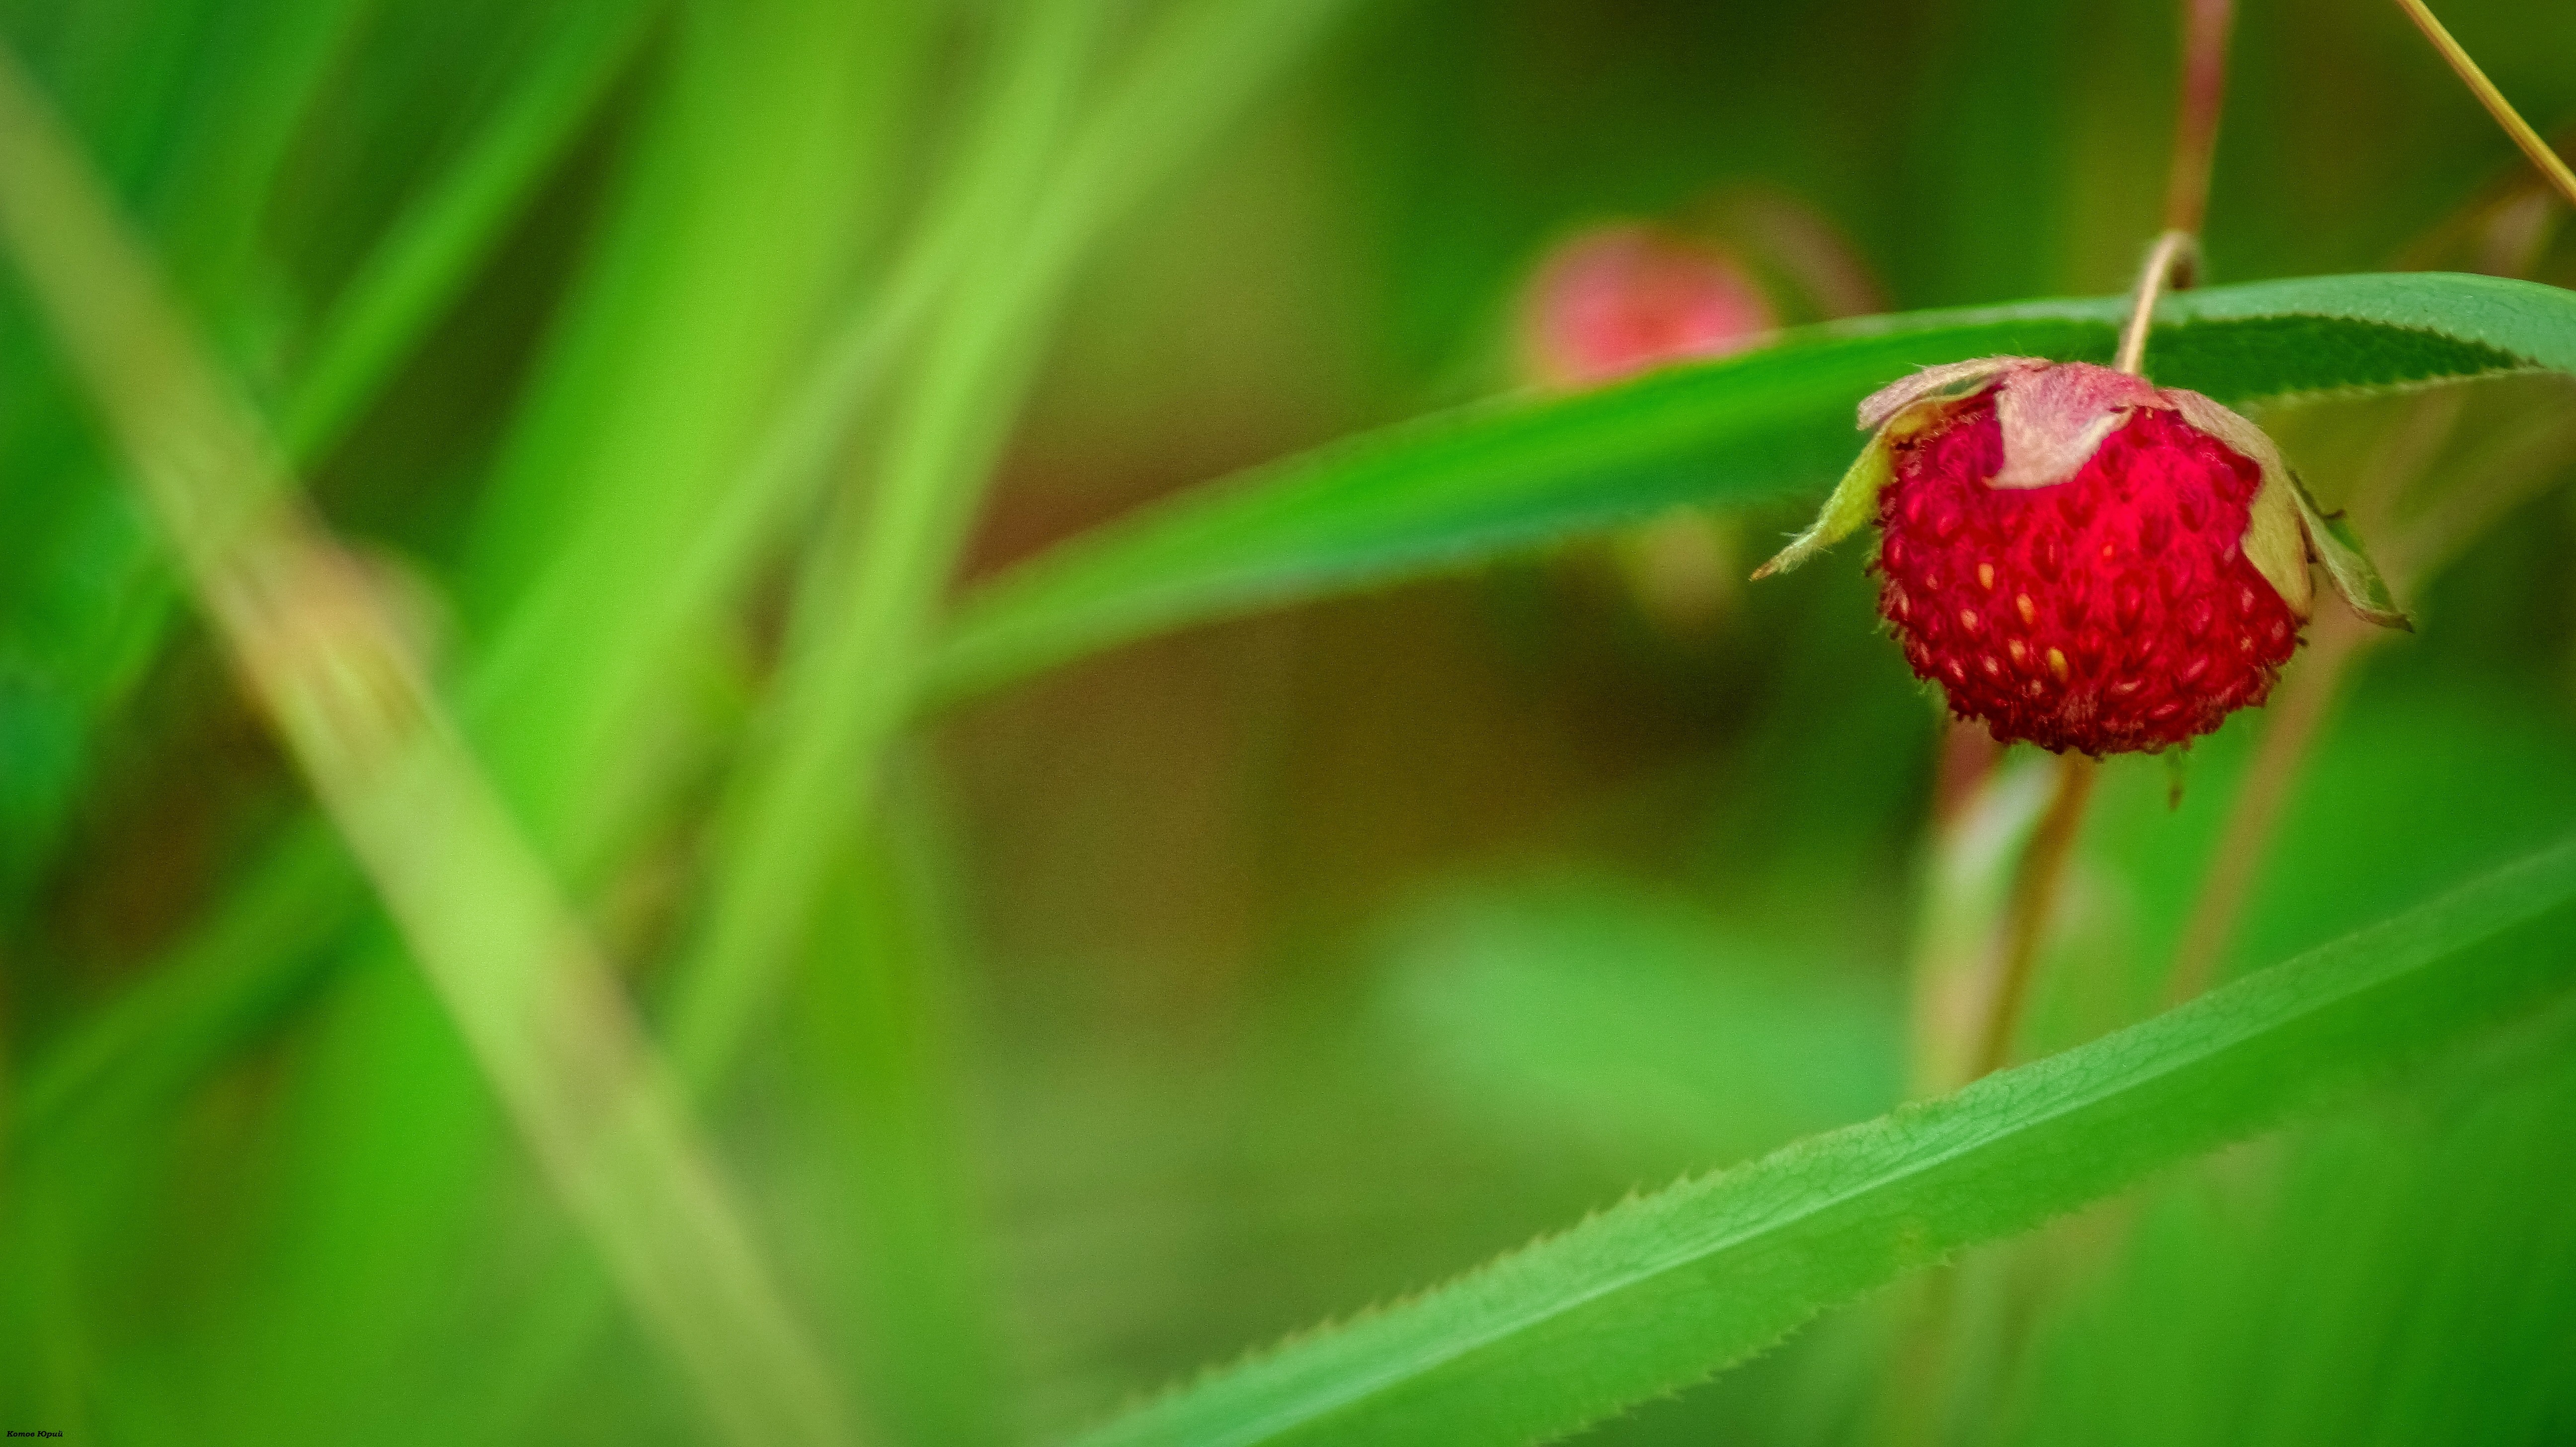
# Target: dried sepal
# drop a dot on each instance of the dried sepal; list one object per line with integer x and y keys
{"x": 1949, "y": 382}
{"x": 2055, "y": 417}
{"x": 1854, "y": 504}
{"x": 2276, "y": 542}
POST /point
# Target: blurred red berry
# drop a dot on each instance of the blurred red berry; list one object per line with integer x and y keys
{"x": 1622, "y": 299}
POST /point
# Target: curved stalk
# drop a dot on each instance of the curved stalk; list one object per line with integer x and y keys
{"x": 2034, "y": 895}
{"x": 2204, "y": 92}
{"x": 2175, "y": 263}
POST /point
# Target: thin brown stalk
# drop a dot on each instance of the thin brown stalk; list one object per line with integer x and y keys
{"x": 2174, "y": 261}
{"x": 2297, "y": 716}
{"x": 2204, "y": 93}
{"x": 1977, "y": 845}
{"x": 2033, "y": 902}
{"x": 1921, "y": 1363}
{"x": 2493, "y": 99}
{"x": 1967, "y": 760}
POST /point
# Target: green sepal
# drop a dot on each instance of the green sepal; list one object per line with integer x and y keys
{"x": 2332, "y": 538}
{"x": 1853, "y": 506}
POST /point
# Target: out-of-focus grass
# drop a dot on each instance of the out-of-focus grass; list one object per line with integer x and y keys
{"x": 316, "y": 643}
{"x": 1116, "y": 1024}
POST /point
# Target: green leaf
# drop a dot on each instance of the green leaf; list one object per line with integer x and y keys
{"x": 452, "y": 225}
{"x": 1484, "y": 481}
{"x": 1659, "y": 1291}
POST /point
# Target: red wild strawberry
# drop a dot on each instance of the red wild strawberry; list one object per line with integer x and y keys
{"x": 1621, "y": 299}
{"x": 1625, "y": 298}
{"x": 2081, "y": 559}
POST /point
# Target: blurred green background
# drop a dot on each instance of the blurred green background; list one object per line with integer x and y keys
{"x": 1233, "y": 980}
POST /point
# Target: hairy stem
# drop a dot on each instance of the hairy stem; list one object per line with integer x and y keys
{"x": 2174, "y": 262}
{"x": 2034, "y": 895}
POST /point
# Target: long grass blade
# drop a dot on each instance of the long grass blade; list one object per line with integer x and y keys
{"x": 1192, "y": 75}
{"x": 222, "y": 981}
{"x": 1203, "y": 63}
{"x": 316, "y": 645}
{"x": 1659, "y": 1291}
{"x": 435, "y": 243}
{"x": 868, "y": 589}
{"x": 869, "y": 601}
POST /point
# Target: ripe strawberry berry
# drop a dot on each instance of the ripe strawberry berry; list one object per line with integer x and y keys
{"x": 2081, "y": 559}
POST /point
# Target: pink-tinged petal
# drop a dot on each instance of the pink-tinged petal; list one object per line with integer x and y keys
{"x": 2054, "y": 419}
{"x": 1951, "y": 381}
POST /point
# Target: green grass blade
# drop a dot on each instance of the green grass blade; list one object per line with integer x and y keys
{"x": 1198, "y": 69}
{"x": 219, "y": 983}
{"x": 692, "y": 315}
{"x": 691, "y": 308}
{"x": 435, "y": 243}
{"x": 1204, "y": 62}
{"x": 1659, "y": 1291}
{"x": 879, "y": 1034}
{"x": 226, "y": 158}
{"x": 850, "y": 674}
{"x": 210, "y": 990}
{"x": 1470, "y": 485}
{"x": 193, "y": 110}
{"x": 871, "y": 582}
{"x": 545, "y": 1018}
{"x": 1191, "y": 77}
